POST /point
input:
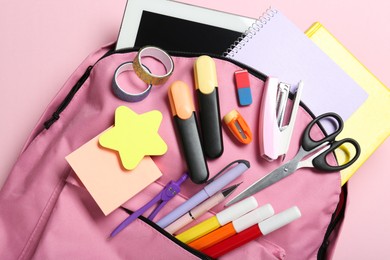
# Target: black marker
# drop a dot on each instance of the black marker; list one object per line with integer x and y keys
{"x": 183, "y": 111}
{"x": 207, "y": 92}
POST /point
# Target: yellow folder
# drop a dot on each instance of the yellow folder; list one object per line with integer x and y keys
{"x": 370, "y": 124}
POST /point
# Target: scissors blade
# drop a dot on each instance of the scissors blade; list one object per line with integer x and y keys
{"x": 274, "y": 176}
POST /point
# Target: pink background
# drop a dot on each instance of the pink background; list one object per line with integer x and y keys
{"x": 43, "y": 41}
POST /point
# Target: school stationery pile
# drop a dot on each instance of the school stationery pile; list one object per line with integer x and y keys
{"x": 339, "y": 83}
{"x": 276, "y": 47}
{"x": 282, "y": 99}
{"x": 301, "y": 68}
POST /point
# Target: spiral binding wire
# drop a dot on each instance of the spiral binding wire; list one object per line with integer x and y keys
{"x": 252, "y": 31}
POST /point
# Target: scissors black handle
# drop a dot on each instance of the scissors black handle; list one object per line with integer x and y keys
{"x": 320, "y": 162}
{"x": 309, "y": 144}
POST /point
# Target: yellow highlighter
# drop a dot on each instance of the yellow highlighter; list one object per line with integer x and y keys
{"x": 206, "y": 84}
{"x": 221, "y": 218}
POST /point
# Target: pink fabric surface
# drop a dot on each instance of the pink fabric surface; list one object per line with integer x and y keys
{"x": 40, "y": 48}
{"x": 76, "y": 227}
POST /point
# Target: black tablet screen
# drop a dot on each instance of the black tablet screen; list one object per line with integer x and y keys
{"x": 177, "y": 34}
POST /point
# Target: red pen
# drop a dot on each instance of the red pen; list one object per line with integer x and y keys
{"x": 263, "y": 228}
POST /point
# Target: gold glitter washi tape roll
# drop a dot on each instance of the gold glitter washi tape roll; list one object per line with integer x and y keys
{"x": 158, "y": 54}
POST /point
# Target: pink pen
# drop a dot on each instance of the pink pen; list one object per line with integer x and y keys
{"x": 200, "y": 209}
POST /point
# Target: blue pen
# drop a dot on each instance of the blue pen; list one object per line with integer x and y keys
{"x": 215, "y": 185}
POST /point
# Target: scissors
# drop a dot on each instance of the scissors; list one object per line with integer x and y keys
{"x": 318, "y": 151}
{"x": 169, "y": 191}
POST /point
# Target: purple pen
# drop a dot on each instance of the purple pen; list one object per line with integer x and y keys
{"x": 215, "y": 185}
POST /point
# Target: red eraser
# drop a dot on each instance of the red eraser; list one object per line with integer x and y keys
{"x": 242, "y": 79}
{"x": 243, "y": 87}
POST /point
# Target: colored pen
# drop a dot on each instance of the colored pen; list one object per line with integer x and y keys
{"x": 183, "y": 111}
{"x": 206, "y": 84}
{"x": 200, "y": 209}
{"x": 209, "y": 190}
{"x": 220, "y": 219}
{"x": 232, "y": 228}
{"x": 263, "y": 228}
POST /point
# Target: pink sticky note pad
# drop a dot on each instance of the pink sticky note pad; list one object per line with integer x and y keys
{"x": 101, "y": 172}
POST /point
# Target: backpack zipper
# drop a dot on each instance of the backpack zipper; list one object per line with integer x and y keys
{"x": 170, "y": 237}
{"x": 337, "y": 217}
{"x": 56, "y": 115}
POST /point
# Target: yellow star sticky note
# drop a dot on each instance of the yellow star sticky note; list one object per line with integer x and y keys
{"x": 134, "y": 136}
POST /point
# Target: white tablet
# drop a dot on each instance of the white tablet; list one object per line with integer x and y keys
{"x": 177, "y": 26}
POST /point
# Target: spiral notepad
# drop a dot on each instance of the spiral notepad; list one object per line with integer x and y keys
{"x": 276, "y": 47}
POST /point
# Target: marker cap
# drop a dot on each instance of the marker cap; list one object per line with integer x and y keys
{"x": 180, "y": 99}
{"x": 279, "y": 220}
{"x": 253, "y": 217}
{"x": 237, "y": 210}
{"x": 205, "y": 74}
{"x": 226, "y": 178}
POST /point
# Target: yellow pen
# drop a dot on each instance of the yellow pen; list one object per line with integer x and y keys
{"x": 221, "y": 218}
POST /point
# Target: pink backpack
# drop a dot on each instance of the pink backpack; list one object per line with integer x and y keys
{"x": 46, "y": 213}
